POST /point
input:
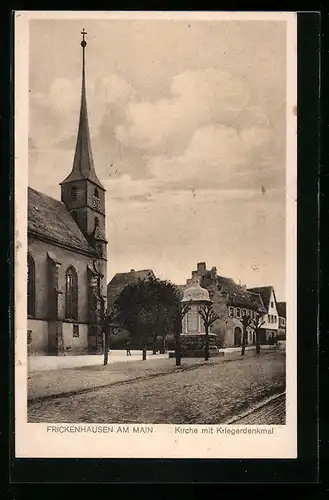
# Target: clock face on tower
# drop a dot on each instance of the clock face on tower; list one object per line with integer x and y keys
{"x": 96, "y": 203}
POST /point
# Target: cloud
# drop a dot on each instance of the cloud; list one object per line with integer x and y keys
{"x": 215, "y": 156}
{"x": 206, "y": 135}
{"x": 198, "y": 97}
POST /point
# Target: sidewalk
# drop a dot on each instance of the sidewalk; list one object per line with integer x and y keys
{"x": 69, "y": 381}
{"x": 47, "y": 363}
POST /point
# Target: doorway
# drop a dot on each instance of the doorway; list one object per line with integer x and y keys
{"x": 237, "y": 336}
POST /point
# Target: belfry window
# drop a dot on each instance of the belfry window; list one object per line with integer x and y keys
{"x": 71, "y": 294}
{"x": 96, "y": 200}
{"x": 30, "y": 286}
{"x": 74, "y": 193}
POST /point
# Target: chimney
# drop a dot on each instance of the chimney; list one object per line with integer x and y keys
{"x": 201, "y": 268}
{"x": 213, "y": 272}
{"x": 194, "y": 274}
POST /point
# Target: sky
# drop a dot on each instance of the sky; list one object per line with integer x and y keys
{"x": 187, "y": 123}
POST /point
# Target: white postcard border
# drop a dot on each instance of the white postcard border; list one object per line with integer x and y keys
{"x": 36, "y": 440}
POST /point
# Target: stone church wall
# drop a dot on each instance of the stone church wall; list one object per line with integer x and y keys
{"x": 37, "y": 336}
{"x": 76, "y": 343}
{"x": 38, "y": 250}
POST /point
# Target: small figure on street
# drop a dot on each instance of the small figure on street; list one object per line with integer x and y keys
{"x": 127, "y": 345}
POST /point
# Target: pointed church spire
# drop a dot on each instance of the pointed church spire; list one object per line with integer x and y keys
{"x": 83, "y": 163}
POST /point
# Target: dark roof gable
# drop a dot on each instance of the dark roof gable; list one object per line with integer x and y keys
{"x": 49, "y": 218}
{"x": 239, "y": 296}
{"x": 265, "y": 293}
{"x": 282, "y": 309}
{"x": 121, "y": 280}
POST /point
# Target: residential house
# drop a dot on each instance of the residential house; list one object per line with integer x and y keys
{"x": 114, "y": 288}
{"x": 230, "y": 301}
{"x": 121, "y": 280}
{"x": 270, "y": 320}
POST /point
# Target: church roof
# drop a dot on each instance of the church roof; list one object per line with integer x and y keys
{"x": 50, "y": 218}
{"x": 83, "y": 163}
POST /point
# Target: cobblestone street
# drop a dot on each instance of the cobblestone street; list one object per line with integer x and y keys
{"x": 206, "y": 394}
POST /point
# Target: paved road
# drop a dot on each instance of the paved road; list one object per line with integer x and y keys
{"x": 271, "y": 413}
{"x": 208, "y": 394}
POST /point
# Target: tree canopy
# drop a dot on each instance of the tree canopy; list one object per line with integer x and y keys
{"x": 148, "y": 309}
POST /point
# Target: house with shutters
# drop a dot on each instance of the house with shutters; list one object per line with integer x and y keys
{"x": 231, "y": 302}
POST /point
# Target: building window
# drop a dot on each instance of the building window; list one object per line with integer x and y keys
{"x": 75, "y": 331}
{"x": 275, "y": 319}
{"x": 74, "y": 193}
{"x": 75, "y": 215}
{"x": 29, "y": 337}
{"x": 283, "y": 322}
{"x": 231, "y": 312}
{"x": 96, "y": 193}
{"x": 71, "y": 297}
{"x": 99, "y": 250}
{"x": 248, "y": 312}
{"x": 96, "y": 222}
{"x": 269, "y": 318}
{"x": 238, "y": 312}
{"x": 243, "y": 312}
{"x": 30, "y": 286}
{"x": 272, "y": 304}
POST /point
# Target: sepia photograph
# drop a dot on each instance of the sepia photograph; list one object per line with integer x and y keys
{"x": 155, "y": 212}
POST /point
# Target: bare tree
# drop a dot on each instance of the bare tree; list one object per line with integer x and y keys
{"x": 180, "y": 313}
{"x": 245, "y": 321}
{"x": 209, "y": 317}
{"x": 108, "y": 322}
{"x": 257, "y": 325}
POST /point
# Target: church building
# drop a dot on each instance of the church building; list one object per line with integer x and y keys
{"x": 67, "y": 256}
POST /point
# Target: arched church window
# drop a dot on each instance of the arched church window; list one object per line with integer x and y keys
{"x": 71, "y": 294}
{"x": 74, "y": 193}
{"x": 96, "y": 193}
{"x": 30, "y": 286}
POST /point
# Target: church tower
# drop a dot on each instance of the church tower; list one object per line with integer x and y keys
{"x": 82, "y": 192}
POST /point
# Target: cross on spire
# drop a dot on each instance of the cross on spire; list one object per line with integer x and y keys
{"x": 83, "y": 43}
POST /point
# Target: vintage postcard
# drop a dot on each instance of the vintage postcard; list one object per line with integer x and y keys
{"x": 155, "y": 226}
